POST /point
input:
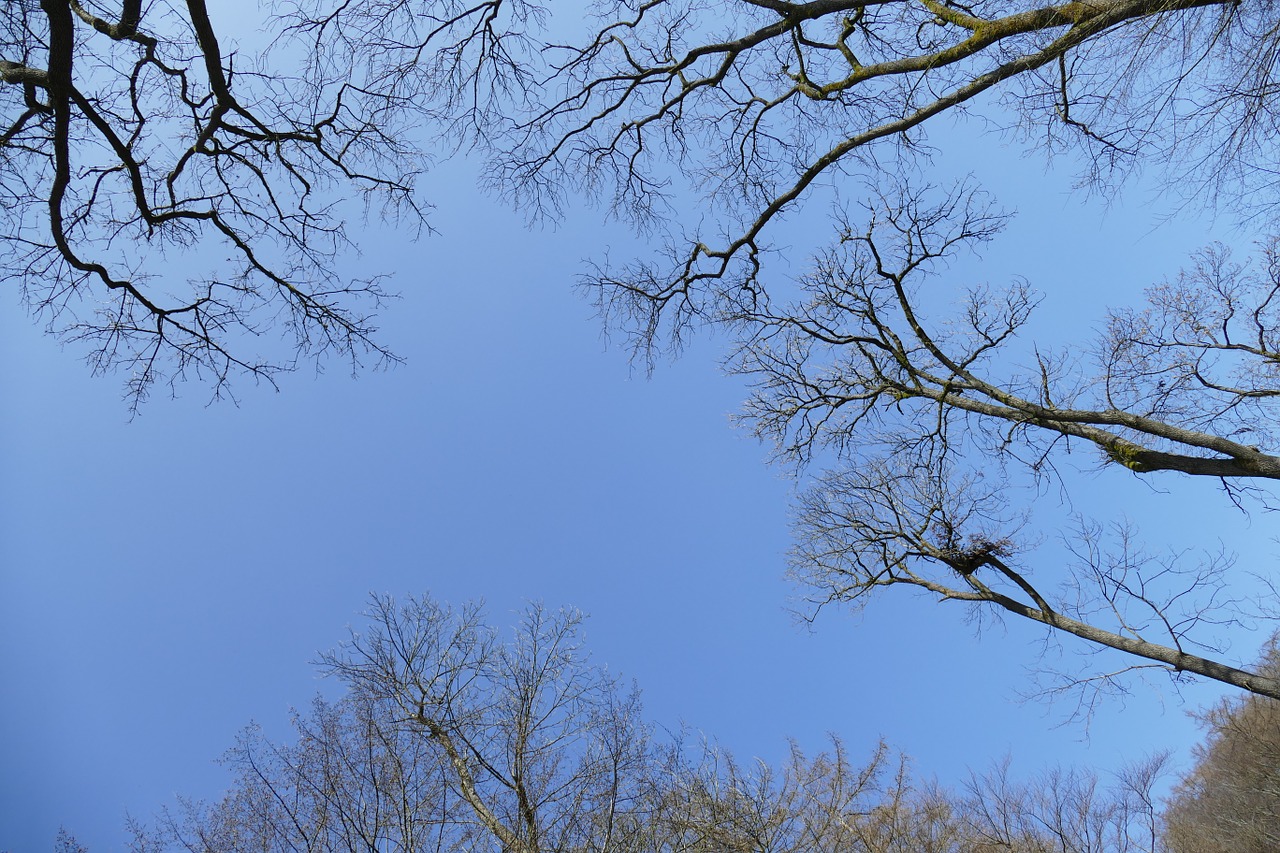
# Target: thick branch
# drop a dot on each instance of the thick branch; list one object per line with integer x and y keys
{"x": 467, "y": 786}
{"x": 1179, "y": 660}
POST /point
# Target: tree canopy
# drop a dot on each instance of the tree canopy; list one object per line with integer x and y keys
{"x": 164, "y": 204}
{"x": 909, "y": 392}
{"x": 451, "y": 736}
{"x": 133, "y": 137}
{"x": 1231, "y": 798}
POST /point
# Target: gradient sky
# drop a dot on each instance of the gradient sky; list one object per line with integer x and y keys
{"x": 165, "y": 580}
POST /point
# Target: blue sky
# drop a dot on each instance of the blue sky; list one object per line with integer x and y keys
{"x": 165, "y": 580}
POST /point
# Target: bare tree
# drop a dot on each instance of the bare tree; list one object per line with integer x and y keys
{"x": 930, "y": 428}
{"x": 1231, "y": 798}
{"x": 449, "y": 738}
{"x": 166, "y": 202}
{"x": 547, "y": 751}
{"x": 66, "y": 843}
{"x": 922, "y": 421}
{"x": 1073, "y": 811}
{"x": 761, "y": 104}
{"x": 824, "y": 802}
{"x": 913, "y": 405}
{"x": 353, "y": 780}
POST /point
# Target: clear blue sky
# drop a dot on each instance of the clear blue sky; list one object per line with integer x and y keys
{"x": 165, "y": 581}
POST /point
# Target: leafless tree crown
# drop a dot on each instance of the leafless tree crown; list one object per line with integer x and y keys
{"x": 1231, "y": 798}
{"x": 171, "y": 206}
{"x": 914, "y": 390}
{"x": 451, "y": 738}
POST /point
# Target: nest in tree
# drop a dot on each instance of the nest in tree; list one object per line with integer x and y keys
{"x": 967, "y": 557}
